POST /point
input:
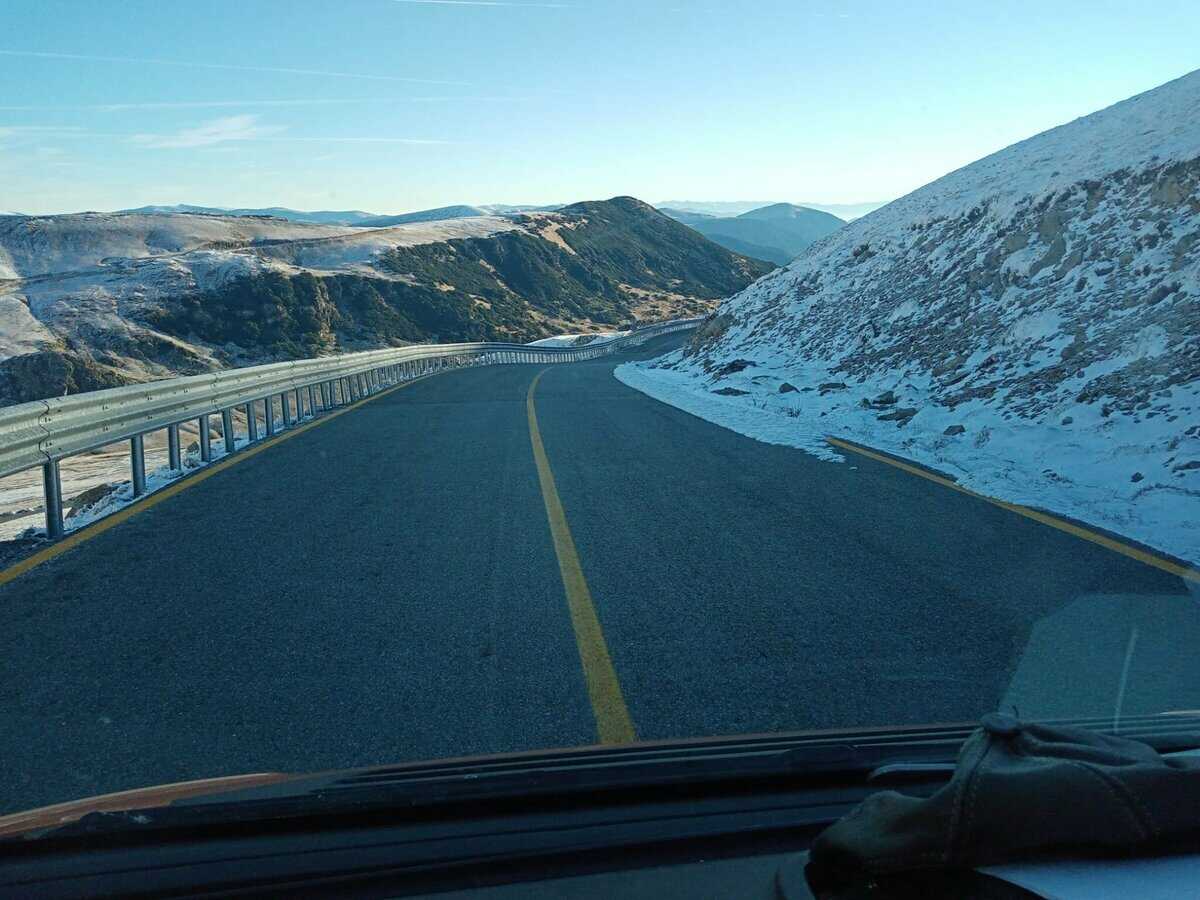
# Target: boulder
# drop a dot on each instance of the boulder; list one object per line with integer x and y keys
{"x": 954, "y": 429}
{"x": 788, "y": 388}
{"x": 900, "y": 416}
{"x": 832, "y": 386}
{"x": 887, "y": 398}
{"x": 736, "y": 366}
{"x": 1137, "y": 476}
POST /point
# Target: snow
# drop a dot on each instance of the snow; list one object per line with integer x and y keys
{"x": 20, "y": 332}
{"x": 572, "y": 340}
{"x": 46, "y": 245}
{"x": 1043, "y": 298}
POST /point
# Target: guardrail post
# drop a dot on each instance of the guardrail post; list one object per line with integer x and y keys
{"x": 287, "y": 411}
{"x": 251, "y": 423}
{"x": 205, "y": 440}
{"x": 52, "y": 490}
{"x": 173, "y": 458}
{"x": 227, "y": 433}
{"x": 299, "y": 405}
{"x": 137, "y": 464}
{"x": 269, "y": 415}
{"x": 312, "y": 401}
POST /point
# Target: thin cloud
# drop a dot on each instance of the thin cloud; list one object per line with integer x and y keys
{"x": 224, "y": 66}
{"x": 246, "y": 128}
{"x": 486, "y": 3}
{"x": 219, "y": 104}
{"x": 357, "y": 140}
{"x": 40, "y": 130}
{"x": 218, "y": 131}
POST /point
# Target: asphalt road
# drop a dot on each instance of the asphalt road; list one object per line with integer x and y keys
{"x": 385, "y": 587}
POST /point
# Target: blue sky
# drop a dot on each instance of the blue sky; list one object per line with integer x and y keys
{"x": 394, "y": 105}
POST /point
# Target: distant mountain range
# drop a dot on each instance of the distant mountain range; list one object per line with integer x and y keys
{"x": 775, "y": 233}
{"x": 844, "y": 211}
{"x": 91, "y": 300}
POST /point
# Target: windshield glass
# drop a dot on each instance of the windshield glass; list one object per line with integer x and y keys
{"x": 365, "y": 397}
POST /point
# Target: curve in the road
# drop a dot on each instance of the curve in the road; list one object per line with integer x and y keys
{"x": 388, "y": 587}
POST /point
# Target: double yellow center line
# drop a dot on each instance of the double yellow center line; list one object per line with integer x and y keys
{"x": 604, "y": 690}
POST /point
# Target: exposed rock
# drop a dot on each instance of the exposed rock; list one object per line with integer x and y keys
{"x": 1186, "y": 466}
{"x": 948, "y": 366}
{"x": 832, "y": 386}
{"x": 788, "y": 388}
{"x": 901, "y": 415}
{"x": 734, "y": 366}
{"x": 90, "y": 497}
{"x": 1137, "y": 476}
{"x": 954, "y": 429}
{"x": 730, "y": 392}
{"x": 1067, "y": 420}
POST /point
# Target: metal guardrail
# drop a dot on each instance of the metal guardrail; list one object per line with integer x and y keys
{"x": 44, "y": 432}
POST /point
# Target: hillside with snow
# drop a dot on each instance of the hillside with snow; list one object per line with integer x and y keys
{"x": 1029, "y": 324}
{"x": 97, "y": 299}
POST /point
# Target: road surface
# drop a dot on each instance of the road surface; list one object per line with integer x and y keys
{"x": 391, "y": 585}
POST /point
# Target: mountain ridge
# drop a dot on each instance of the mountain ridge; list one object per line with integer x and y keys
{"x": 92, "y": 299}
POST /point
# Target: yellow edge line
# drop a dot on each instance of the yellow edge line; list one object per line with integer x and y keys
{"x": 114, "y": 519}
{"x": 1143, "y": 556}
{"x": 604, "y": 690}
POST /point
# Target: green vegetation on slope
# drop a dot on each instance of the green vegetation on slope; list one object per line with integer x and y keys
{"x": 514, "y": 285}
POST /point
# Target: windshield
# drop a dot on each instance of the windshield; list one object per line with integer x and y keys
{"x": 365, "y": 397}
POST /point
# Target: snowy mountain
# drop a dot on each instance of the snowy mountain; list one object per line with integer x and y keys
{"x": 95, "y": 299}
{"x": 1029, "y": 323}
{"x": 317, "y": 217}
{"x": 426, "y": 215}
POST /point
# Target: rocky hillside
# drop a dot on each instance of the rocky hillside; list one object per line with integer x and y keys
{"x": 1029, "y": 323}
{"x": 776, "y": 233}
{"x": 95, "y": 299}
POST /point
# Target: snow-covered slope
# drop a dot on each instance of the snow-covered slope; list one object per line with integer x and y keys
{"x": 1035, "y": 316}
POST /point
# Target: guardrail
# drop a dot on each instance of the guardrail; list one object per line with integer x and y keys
{"x": 44, "y": 432}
